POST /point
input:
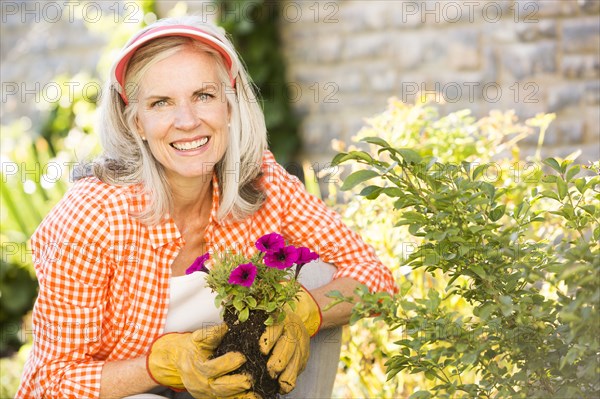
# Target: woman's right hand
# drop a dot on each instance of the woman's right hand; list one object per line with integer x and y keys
{"x": 183, "y": 361}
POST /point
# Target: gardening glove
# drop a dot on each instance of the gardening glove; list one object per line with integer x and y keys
{"x": 290, "y": 341}
{"x": 309, "y": 311}
{"x": 182, "y": 361}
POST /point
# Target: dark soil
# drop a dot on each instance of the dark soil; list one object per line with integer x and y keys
{"x": 243, "y": 337}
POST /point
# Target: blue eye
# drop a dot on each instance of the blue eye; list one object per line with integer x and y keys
{"x": 204, "y": 97}
{"x": 159, "y": 103}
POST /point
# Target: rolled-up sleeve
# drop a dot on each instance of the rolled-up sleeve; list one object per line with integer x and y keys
{"x": 308, "y": 221}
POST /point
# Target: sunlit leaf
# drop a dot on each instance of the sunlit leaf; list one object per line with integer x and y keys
{"x": 553, "y": 163}
{"x": 358, "y": 177}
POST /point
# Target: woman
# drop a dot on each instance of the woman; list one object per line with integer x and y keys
{"x": 185, "y": 170}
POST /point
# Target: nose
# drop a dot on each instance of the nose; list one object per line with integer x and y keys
{"x": 185, "y": 117}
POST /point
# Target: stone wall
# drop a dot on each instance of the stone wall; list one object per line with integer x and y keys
{"x": 41, "y": 41}
{"x": 346, "y": 58}
{"x": 38, "y": 42}
{"x": 349, "y": 57}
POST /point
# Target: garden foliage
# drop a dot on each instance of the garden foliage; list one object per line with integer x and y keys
{"x": 500, "y": 260}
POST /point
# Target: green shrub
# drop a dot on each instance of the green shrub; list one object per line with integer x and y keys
{"x": 499, "y": 290}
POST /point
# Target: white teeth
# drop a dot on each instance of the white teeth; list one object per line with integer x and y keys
{"x": 190, "y": 145}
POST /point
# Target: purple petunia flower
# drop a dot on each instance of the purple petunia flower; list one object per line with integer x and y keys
{"x": 305, "y": 255}
{"x": 198, "y": 265}
{"x": 243, "y": 275}
{"x": 270, "y": 242}
{"x": 282, "y": 258}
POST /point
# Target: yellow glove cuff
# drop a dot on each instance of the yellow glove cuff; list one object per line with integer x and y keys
{"x": 160, "y": 361}
{"x": 309, "y": 311}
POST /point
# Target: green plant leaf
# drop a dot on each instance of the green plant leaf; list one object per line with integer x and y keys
{"x": 591, "y": 209}
{"x": 550, "y": 194}
{"x": 476, "y": 229}
{"x": 271, "y": 306}
{"x": 434, "y": 300}
{"x": 352, "y": 155}
{"x": 371, "y": 192}
{"x": 420, "y": 395}
{"x": 244, "y": 314}
{"x": 580, "y": 184}
{"x": 478, "y": 270}
{"x": 561, "y": 187}
{"x": 377, "y": 141}
{"x": 335, "y": 294}
{"x": 574, "y": 270}
{"x": 251, "y": 302}
{"x": 409, "y": 155}
{"x": 338, "y": 158}
{"x": 497, "y": 213}
{"x": 572, "y": 172}
{"x": 489, "y": 190}
{"x": 479, "y": 170}
{"x": 506, "y": 305}
{"x": 521, "y": 209}
{"x": 238, "y": 304}
{"x": 469, "y": 388}
{"x": 469, "y": 358}
{"x": 392, "y": 192}
{"x": 564, "y": 165}
{"x": 358, "y": 177}
{"x": 485, "y": 311}
{"x": 392, "y": 371}
{"x": 553, "y": 163}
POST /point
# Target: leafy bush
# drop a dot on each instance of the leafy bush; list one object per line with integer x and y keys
{"x": 509, "y": 257}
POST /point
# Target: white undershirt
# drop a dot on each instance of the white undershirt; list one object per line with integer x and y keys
{"x": 191, "y": 304}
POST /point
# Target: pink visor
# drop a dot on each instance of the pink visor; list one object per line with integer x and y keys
{"x": 120, "y": 66}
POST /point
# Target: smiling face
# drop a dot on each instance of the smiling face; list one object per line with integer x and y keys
{"x": 183, "y": 114}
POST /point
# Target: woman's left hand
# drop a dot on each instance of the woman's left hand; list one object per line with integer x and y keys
{"x": 290, "y": 340}
{"x": 290, "y": 344}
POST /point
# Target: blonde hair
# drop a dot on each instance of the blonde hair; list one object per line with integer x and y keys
{"x": 127, "y": 160}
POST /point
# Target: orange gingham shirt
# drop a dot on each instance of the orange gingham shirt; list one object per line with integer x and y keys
{"x": 104, "y": 276}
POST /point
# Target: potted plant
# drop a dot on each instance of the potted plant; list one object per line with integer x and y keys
{"x": 253, "y": 293}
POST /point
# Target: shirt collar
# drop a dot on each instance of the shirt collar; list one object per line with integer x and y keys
{"x": 163, "y": 233}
